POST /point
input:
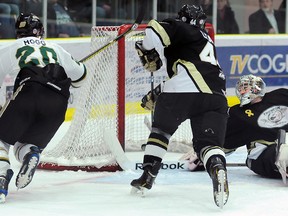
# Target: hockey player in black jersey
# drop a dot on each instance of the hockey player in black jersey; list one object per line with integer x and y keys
{"x": 255, "y": 122}
{"x": 259, "y": 122}
{"x": 195, "y": 91}
{"x": 44, "y": 72}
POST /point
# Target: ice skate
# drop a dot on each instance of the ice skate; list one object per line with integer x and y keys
{"x": 146, "y": 180}
{"x": 282, "y": 155}
{"x": 4, "y": 182}
{"x": 28, "y": 168}
{"x": 218, "y": 174}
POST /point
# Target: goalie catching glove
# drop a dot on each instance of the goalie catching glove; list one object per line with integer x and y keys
{"x": 148, "y": 101}
{"x": 150, "y": 58}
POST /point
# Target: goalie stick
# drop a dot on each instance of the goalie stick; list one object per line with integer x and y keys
{"x": 125, "y": 163}
{"x": 134, "y": 26}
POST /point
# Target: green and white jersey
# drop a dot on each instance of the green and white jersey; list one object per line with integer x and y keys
{"x": 33, "y": 51}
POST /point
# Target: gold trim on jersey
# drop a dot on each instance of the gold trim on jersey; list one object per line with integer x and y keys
{"x": 6, "y": 159}
{"x": 3, "y": 149}
{"x": 263, "y": 142}
{"x": 160, "y": 31}
{"x": 13, "y": 98}
{"x": 194, "y": 74}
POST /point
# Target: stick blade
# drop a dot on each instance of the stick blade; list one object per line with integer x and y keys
{"x": 112, "y": 141}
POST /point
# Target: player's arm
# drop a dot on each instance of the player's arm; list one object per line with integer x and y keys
{"x": 151, "y": 49}
{"x": 75, "y": 70}
{"x": 150, "y": 59}
{"x": 79, "y": 82}
{"x": 149, "y": 100}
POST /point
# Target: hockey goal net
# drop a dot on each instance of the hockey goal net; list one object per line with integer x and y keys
{"x": 110, "y": 99}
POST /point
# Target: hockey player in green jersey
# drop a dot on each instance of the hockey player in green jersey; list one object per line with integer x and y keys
{"x": 43, "y": 73}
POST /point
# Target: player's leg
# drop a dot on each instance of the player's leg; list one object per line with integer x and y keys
{"x": 261, "y": 159}
{"x": 164, "y": 125}
{"x": 48, "y": 117}
{"x": 208, "y": 137}
{"x": 15, "y": 117}
{"x": 5, "y": 172}
{"x": 28, "y": 155}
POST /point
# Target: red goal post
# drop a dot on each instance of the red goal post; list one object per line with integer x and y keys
{"x": 110, "y": 99}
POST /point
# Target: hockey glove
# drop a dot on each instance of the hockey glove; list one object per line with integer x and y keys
{"x": 194, "y": 164}
{"x": 150, "y": 58}
{"x": 148, "y": 101}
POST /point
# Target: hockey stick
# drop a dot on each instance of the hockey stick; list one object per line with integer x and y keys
{"x": 134, "y": 26}
{"x": 111, "y": 140}
{"x": 152, "y": 95}
{"x": 149, "y": 126}
{"x": 146, "y": 120}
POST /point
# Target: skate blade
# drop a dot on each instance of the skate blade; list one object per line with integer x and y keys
{"x": 2, "y": 198}
{"x": 221, "y": 196}
{"x": 138, "y": 191}
{"x": 23, "y": 179}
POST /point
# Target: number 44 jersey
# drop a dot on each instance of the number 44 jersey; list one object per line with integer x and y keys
{"x": 190, "y": 57}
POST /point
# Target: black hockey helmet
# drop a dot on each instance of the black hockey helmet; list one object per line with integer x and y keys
{"x": 193, "y": 15}
{"x": 28, "y": 25}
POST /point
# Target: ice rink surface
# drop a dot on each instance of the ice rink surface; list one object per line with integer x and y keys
{"x": 175, "y": 193}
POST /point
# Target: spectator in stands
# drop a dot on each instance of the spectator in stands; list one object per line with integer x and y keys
{"x": 60, "y": 23}
{"x": 266, "y": 19}
{"x": 226, "y": 22}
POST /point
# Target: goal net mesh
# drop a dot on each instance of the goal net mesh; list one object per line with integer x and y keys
{"x": 110, "y": 99}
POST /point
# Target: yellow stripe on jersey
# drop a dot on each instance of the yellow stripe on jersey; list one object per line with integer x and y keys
{"x": 195, "y": 75}
{"x": 165, "y": 145}
{"x": 160, "y": 31}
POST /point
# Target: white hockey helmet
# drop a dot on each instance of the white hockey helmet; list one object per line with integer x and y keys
{"x": 248, "y": 88}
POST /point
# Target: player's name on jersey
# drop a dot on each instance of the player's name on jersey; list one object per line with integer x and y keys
{"x": 31, "y": 41}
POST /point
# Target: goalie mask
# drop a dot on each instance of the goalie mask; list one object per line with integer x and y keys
{"x": 192, "y": 14}
{"x": 248, "y": 88}
{"x": 28, "y": 25}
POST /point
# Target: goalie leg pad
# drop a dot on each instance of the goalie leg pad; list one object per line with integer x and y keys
{"x": 150, "y": 59}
